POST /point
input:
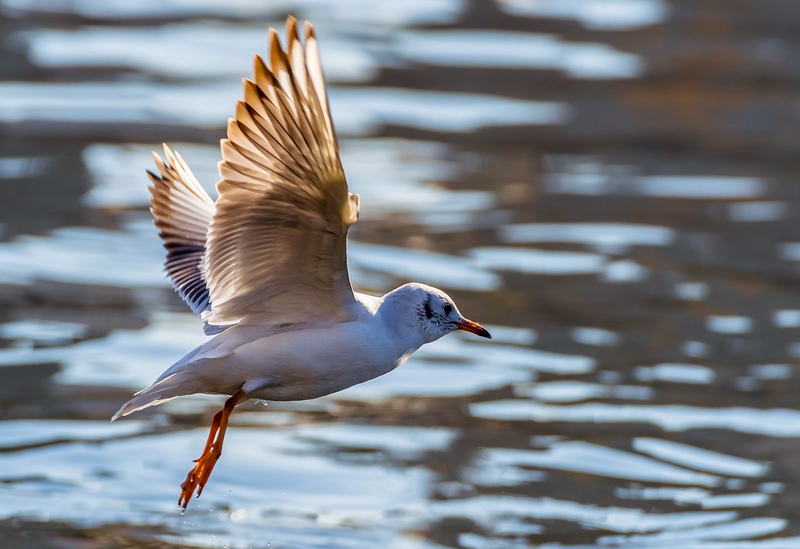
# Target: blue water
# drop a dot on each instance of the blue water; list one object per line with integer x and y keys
{"x": 614, "y": 200}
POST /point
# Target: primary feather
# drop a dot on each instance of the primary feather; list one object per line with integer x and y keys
{"x": 276, "y": 249}
{"x": 183, "y": 211}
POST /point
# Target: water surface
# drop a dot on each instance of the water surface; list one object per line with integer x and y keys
{"x": 608, "y": 185}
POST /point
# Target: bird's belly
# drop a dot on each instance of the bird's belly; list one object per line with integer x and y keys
{"x": 312, "y": 363}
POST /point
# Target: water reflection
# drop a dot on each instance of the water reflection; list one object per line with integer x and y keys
{"x": 224, "y": 51}
{"x": 217, "y": 51}
{"x": 390, "y": 13}
{"x": 519, "y": 51}
{"x": 678, "y": 373}
{"x": 776, "y": 422}
{"x": 582, "y": 176}
{"x": 610, "y": 237}
{"x": 593, "y": 14}
{"x": 484, "y": 510}
{"x": 598, "y": 460}
{"x": 613, "y": 195}
{"x": 697, "y": 458}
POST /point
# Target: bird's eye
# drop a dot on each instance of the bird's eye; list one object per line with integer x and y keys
{"x": 448, "y": 309}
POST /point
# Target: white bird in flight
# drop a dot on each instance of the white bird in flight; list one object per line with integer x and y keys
{"x": 265, "y": 266}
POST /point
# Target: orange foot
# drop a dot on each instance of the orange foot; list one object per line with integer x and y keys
{"x": 198, "y": 476}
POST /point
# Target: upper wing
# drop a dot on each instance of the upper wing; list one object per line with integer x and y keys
{"x": 183, "y": 212}
{"x": 276, "y": 250}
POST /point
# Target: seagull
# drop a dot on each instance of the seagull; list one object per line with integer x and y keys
{"x": 265, "y": 266}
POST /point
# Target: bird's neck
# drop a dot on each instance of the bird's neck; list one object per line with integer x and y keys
{"x": 402, "y": 322}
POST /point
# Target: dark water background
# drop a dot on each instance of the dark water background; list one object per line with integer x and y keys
{"x": 610, "y": 186}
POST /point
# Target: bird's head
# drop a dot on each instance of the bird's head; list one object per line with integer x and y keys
{"x": 433, "y": 312}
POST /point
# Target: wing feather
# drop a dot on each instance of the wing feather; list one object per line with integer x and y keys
{"x": 183, "y": 212}
{"x": 276, "y": 249}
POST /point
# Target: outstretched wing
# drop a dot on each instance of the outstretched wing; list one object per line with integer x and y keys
{"x": 276, "y": 250}
{"x": 183, "y": 212}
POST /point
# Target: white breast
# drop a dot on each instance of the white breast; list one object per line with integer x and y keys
{"x": 300, "y": 364}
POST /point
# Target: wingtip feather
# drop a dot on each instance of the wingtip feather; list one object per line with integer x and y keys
{"x": 274, "y": 46}
{"x": 291, "y": 29}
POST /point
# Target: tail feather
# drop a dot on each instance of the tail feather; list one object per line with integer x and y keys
{"x": 179, "y": 379}
{"x": 159, "y": 392}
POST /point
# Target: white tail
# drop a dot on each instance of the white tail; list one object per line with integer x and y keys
{"x": 163, "y": 390}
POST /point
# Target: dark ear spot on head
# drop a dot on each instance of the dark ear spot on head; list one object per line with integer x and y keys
{"x": 428, "y": 311}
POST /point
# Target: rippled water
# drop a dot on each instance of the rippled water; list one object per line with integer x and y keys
{"x": 610, "y": 186}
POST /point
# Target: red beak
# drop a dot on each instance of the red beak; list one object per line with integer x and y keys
{"x": 474, "y": 327}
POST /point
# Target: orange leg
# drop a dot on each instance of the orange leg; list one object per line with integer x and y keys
{"x": 198, "y": 476}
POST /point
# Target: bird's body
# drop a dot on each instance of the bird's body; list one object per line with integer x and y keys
{"x": 265, "y": 266}
{"x": 295, "y": 362}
